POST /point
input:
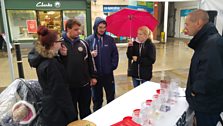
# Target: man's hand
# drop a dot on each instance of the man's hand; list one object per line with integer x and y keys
{"x": 93, "y": 81}
{"x": 63, "y": 50}
{"x": 193, "y": 94}
{"x": 134, "y": 58}
{"x": 94, "y": 53}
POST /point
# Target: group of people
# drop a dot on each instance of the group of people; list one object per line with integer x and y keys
{"x": 71, "y": 70}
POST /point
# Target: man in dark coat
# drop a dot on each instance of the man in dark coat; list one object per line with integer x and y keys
{"x": 204, "y": 91}
{"x": 79, "y": 66}
{"x": 105, "y": 54}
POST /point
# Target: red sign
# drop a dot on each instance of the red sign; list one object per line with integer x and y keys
{"x": 31, "y": 26}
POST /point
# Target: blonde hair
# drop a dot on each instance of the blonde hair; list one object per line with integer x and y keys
{"x": 145, "y": 30}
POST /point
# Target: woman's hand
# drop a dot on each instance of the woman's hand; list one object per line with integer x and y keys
{"x": 130, "y": 43}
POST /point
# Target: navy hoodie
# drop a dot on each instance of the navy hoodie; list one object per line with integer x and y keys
{"x": 107, "y": 58}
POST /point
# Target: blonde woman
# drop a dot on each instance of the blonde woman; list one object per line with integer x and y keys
{"x": 142, "y": 53}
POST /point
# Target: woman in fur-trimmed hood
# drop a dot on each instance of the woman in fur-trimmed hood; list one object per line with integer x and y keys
{"x": 57, "y": 107}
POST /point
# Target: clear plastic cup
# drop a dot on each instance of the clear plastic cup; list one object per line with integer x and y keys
{"x": 135, "y": 116}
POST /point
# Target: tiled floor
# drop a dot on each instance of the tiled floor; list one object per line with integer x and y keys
{"x": 173, "y": 59}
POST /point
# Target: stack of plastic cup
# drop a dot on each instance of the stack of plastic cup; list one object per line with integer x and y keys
{"x": 146, "y": 112}
{"x": 135, "y": 116}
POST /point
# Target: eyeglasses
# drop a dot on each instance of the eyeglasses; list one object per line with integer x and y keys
{"x": 58, "y": 41}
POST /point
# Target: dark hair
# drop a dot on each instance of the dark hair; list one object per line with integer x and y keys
{"x": 71, "y": 22}
{"x": 103, "y": 22}
{"x": 46, "y": 37}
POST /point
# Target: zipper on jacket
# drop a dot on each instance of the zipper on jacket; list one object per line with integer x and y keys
{"x": 140, "y": 49}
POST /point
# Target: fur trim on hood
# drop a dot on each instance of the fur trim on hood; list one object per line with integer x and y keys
{"x": 43, "y": 51}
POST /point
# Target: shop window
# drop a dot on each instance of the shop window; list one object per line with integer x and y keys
{"x": 51, "y": 19}
{"x": 80, "y": 16}
{"x": 22, "y": 24}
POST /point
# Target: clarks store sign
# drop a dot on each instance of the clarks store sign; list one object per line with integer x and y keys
{"x": 48, "y": 4}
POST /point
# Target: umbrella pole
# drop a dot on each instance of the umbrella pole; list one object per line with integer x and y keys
{"x": 129, "y": 61}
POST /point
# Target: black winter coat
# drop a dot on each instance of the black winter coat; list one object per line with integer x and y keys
{"x": 146, "y": 57}
{"x": 78, "y": 62}
{"x": 206, "y": 71}
{"x": 57, "y": 106}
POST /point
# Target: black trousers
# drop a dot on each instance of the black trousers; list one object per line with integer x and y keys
{"x": 81, "y": 97}
{"x": 106, "y": 82}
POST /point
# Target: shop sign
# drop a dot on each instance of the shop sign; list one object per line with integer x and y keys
{"x": 112, "y": 8}
{"x": 185, "y": 12}
{"x": 42, "y": 4}
{"x": 56, "y": 4}
{"x": 150, "y": 10}
{"x": 145, "y": 4}
{"x": 31, "y": 26}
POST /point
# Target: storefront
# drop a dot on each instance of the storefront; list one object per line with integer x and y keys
{"x": 24, "y": 16}
{"x": 182, "y": 10}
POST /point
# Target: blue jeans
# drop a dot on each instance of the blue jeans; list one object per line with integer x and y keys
{"x": 137, "y": 81}
{"x": 106, "y": 82}
{"x": 206, "y": 119}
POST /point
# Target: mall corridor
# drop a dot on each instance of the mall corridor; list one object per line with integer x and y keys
{"x": 173, "y": 59}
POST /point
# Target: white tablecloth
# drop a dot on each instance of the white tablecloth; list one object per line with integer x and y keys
{"x": 124, "y": 105}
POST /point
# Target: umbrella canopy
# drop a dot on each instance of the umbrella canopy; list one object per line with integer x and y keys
{"x": 126, "y": 22}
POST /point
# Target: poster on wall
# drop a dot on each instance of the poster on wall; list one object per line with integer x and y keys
{"x": 31, "y": 26}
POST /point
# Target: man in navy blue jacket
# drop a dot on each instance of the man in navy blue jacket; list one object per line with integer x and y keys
{"x": 204, "y": 91}
{"x": 105, "y": 53}
{"x": 79, "y": 66}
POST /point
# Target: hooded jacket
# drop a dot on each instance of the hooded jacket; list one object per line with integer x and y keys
{"x": 78, "y": 62}
{"x": 146, "y": 57}
{"x": 57, "y": 106}
{"x": 107, "y": 58}
{"x": 206, "y": 71}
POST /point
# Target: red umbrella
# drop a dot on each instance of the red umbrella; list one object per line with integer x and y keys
{"x": 126, "y": 22}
